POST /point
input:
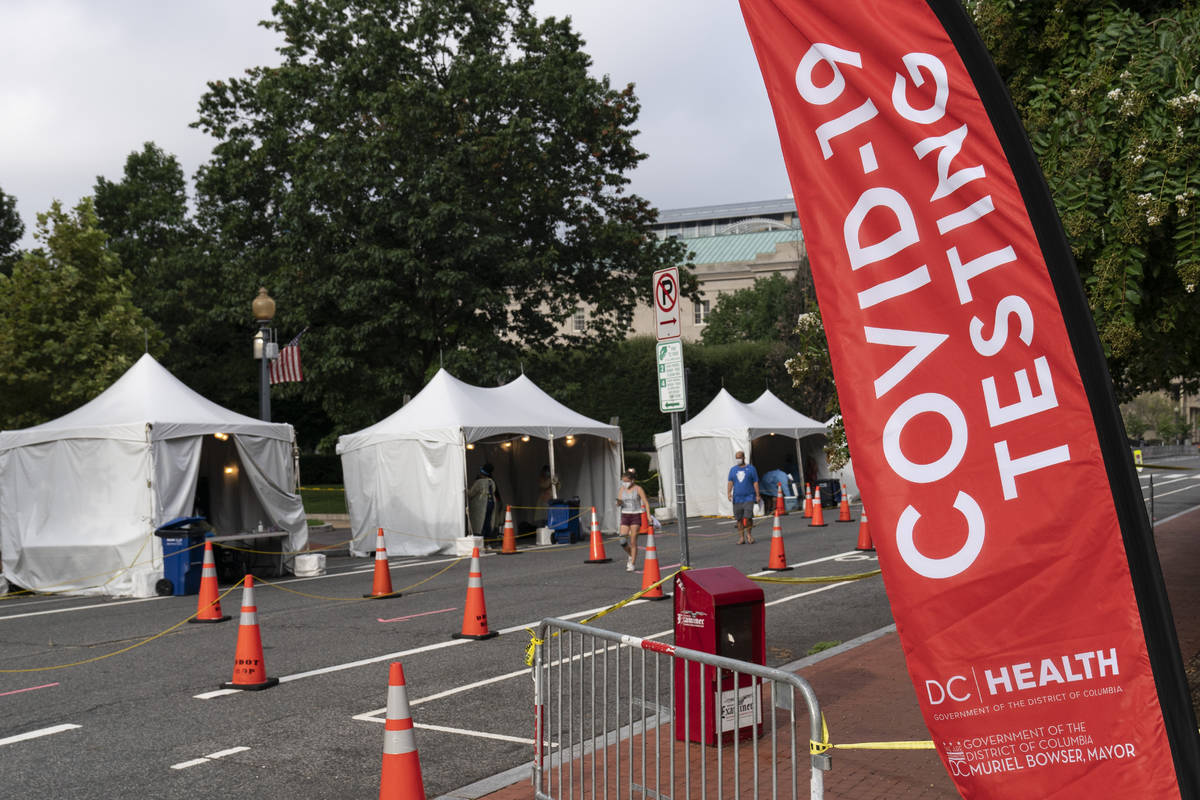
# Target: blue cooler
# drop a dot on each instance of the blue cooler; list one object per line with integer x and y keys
{"x": 563, "y": 519}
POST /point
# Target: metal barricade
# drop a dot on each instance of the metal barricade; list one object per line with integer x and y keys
{"x": 604, "y": 724}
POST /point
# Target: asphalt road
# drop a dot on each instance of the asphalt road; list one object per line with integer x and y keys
{"x": 145, "y": 727}
{"x": 144, "y": 723}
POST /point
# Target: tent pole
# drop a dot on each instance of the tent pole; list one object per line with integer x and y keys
{"x": 553, "y": 471}
{"x": 466, "y": 501}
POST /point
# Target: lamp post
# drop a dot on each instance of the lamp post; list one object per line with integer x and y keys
{"x": 265, "y": 348}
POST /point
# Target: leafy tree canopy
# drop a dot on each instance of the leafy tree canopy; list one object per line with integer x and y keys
{"x": 766, "y": 311}
{"x": 420, "y": 178}
{"x": 145, "y": 213}
{"x": 68, "y": 323}
{"x": 1110, "y": 95}
{"x": 11, "y": 231}
{"x": 177, "y": 281}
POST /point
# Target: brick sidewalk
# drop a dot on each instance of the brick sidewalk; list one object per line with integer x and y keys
{"x": 866, "y": 695}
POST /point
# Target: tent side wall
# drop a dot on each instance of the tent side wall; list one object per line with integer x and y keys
{"x": 76, "y": 515}
{"x": 412, "y": 489}
{"x": 706, "y": 463}
{"x": 589, "y": 470}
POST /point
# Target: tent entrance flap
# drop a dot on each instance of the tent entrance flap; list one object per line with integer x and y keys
{"x": 224, "y": 495}
{"x": 584, "y": 466}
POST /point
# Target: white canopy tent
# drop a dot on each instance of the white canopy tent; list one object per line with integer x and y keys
{"x": 770, "y": 432}
{"x": 81, "y": 495}
{"x": 409, "y": 473}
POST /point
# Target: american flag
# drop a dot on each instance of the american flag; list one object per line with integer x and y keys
{"x": 286, "y": 368}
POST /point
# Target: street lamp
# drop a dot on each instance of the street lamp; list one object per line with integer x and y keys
{"x": 265, "y": 348}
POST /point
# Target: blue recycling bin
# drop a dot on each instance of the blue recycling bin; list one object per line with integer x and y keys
{"x": 183, "y": 555}
{"x": 563, "y": 519}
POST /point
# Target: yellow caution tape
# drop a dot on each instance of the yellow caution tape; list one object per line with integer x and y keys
{"x": 133, "y": 646}
{"x": 408, "y": 588}
{"x": 535, "y": 642}
{"x": 824, "y": 746}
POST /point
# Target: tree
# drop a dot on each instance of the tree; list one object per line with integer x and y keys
{"x": 176, "y": 280}
{"x": 11, "y": 231}
{"x": 766, "y": 311}
{"x": 1153, "y": 413}
{"x": 421, "y": 178}
{"x": 145, "y": 215}
{"x": 68, "y": 323}
{"x": 1109, "y": 95}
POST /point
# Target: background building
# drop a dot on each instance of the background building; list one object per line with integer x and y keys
{"x": 731, "y": 246}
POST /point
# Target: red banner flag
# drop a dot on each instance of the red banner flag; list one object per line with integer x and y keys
{"x": 1016, "y": 555}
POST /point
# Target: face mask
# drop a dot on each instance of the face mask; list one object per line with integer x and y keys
{"x": 741, "y": 461}
{"x": 627, "y": 482}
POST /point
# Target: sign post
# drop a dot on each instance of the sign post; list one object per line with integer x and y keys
{"x": 672, "y": 388}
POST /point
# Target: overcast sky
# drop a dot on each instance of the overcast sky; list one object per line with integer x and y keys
{"x": 88, "y": 82}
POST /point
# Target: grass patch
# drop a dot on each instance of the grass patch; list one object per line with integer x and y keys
{"x": 324, "y": 499}
{"x": 819, "y": 646}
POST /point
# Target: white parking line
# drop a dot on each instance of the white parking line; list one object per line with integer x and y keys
{"x": 216, "y": 693}
{"x": 374, "y": 715}
{"x": 478, "y": 734}
{"x": 1159, "y": 495}
{"x": 457, "y": 642}
{"x": 80, "y": 608}
{"x": 21, "y": 737}
{"x": 208, "y": 758}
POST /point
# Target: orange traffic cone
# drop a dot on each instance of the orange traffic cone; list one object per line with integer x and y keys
{"x": 808, "y": 508}
{"x": 381, "y": 586}
{"x": 474, "y": 624}
{"x": 208, "y": 606}
{"x": 780, "y": 508}
{"x": 249, "y": 670}
{"x": 597, "y": 556}
{"x": 645, "y": 524}
{"x": 864, "y": 534}
{"x": 844, "y": 508}
{"x": 777, "y": 561}
{"x": 509, "y": 546}
{"x": 401, "y": 776}
{"x": 650, "y": 573}
{"x": 818, "y": 514}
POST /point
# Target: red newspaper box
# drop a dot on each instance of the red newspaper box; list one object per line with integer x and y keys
{"x": 718, "y": 610}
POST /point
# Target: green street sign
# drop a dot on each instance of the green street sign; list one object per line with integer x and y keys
{"x": 672, "y": 392}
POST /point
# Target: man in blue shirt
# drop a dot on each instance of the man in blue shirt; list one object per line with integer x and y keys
{"x": 743, "y": 492}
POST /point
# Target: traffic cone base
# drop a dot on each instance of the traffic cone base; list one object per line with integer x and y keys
{"x": 597, "y": 555}
{"x": 508, "y": 545}
{"x": 475, "y": 621}
{"x": 249, "y": 669}
{"x": 381, "y": 583}
{"x": 251, "y": 687}
{"x": 208, "y": 604}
